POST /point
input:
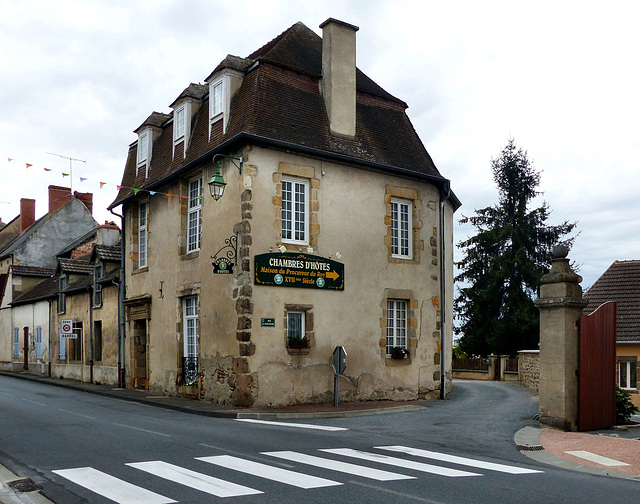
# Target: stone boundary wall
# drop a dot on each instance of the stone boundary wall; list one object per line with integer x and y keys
{"x": 529, "y": 368}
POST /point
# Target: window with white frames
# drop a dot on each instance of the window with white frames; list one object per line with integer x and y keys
{"x": 143, "y": 148}
{"x": 401, "y": 228}
{"x": 179, "y": 123}
{"x": 627, "y": 374}
{"x": 396, "y": 324}
{"x": 295, "y": 210}
{"x": 194, "y": 215}
{"x": 295, "y": 326}
{"x": 16, "y": 343}
{"x": 216, "y": 99}
{"x": 190, "y": 320}
{"x": 142, "y": 234}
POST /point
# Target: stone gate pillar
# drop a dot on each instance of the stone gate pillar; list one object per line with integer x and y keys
{"x": 560, "y": 305}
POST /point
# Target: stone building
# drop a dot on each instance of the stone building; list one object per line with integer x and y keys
{"x": 325, "y": 223}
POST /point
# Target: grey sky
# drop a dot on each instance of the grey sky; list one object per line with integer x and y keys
{"x": 76, "y": 78}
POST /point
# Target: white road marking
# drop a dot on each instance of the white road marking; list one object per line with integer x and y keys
{"x": 142, "y": 430}
{"x": 598, "y": 459}
{"x": 336, "y": 465}
{"x": 78, "y": 414}
{"x": 111, "y": 487}
{"x": 242, "y": 454}
{"x": 35, "y": 402}
{"x": 290, "y": 424}
{"x": 443, "y": 457}
{"x": 199, "y": 481}
{"x": 398, "y": 462}
{"x": 8, "y": 395}
{"x": 269, "y": 472}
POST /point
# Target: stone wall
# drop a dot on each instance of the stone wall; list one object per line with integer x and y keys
{"x": 529, "y": 368}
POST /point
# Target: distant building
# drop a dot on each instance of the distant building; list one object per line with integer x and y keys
{"x": 621, "y": 283}
{"x": 328, "y": 233}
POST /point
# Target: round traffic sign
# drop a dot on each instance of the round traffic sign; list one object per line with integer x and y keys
{"x": 66, "y": 328}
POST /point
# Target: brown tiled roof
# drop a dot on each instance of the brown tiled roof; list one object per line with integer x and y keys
{"x": 76, "y": 266}
{"x": 196, "y": 91}
{"x": 46, "y": 289}
{"x": 32, "y": 271}
{"x": 620, "y": 283}
{"x": 156, "y": 119}
{"x": 279, "y": 105}
{"x": 108, "y": 252}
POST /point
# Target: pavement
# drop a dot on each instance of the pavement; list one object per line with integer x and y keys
{"x": 610, "y": 452}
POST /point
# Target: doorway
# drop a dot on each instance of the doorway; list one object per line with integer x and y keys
{"x": 139, "y": 367}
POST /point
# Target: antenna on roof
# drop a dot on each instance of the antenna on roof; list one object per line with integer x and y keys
{"x": 70, "y": 167}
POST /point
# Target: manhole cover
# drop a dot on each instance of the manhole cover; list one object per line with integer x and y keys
{"x": 529, "y": 448}
{"x": 24, "y": 485}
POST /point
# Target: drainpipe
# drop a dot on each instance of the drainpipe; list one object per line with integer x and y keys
{"x": 121, "y": 293}
{"x": 49, "y": 344}
{"x": 91, "y": 294}
{"x": 444, "y": 196}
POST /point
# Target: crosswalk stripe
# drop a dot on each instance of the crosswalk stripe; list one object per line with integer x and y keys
{"x": 398, "y": 462}
{"x": 336, "y": 465}
{"x": 292, "y": 424}
{"x": 199, "y": 481}
{"x": 269, "y": 472}
{"x": 111, "y": 487}
{"x": 443, "y": 457}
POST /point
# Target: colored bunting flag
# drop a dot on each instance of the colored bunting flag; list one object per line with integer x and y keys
{"x": 82, "y": 179}
{"x": 9, "y": 159}
{"x": 65, "y": 175}
{"x": 119, "y": 187}
{"x": 102, "y": 184}
{"x": 28, "y": 165}
{"x": 152, "y": 193}
{"x": 47, "y": 169}
{"x": 135, "y": 191}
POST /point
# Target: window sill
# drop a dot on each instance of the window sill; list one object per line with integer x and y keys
{"x": 190, "y": 255}
{"x": 140, "y": 270}
{"x": 298, "y": 351}
{"x": 391, "y": 362}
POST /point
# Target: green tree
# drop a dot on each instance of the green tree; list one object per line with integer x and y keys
{"x": 503, "y": 262}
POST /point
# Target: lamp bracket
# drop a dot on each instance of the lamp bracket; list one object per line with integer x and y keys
{"x": 228, "y": 256}
{"x": 218, "y": 163}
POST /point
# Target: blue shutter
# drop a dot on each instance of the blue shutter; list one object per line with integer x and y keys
{"x": 63, "y": 350}
{"x": 39, "y": 342}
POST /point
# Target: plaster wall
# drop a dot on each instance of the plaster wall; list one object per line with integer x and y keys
{"x": 350, "y": 210}
{"x": 32, "y": 316}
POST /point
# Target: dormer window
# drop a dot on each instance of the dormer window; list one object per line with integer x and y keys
{"x": 182, "y": 126}
{"x": 143, "y": 151}
{"x": 216, "y": 99}
{"x": 178, "y": 125}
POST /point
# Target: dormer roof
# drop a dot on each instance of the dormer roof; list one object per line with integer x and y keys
{"x": 155, "y": 120}
{"x": 194, "y": 91}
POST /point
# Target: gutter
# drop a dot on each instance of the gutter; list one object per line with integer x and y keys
{"x": 248, "y": 138}
{"x": 121, "y": 293}
{"x": 445, "y": 194}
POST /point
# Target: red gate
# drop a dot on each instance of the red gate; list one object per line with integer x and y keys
{"x": 597, "y": 369}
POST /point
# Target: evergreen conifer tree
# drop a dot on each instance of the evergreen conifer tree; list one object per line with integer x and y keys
{"x": 503, "y": 262}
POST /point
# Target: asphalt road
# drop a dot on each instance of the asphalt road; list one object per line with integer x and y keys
{"x": 81, "y": 447}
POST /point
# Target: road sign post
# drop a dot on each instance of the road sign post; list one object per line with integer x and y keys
{"x": 339, "y": 364}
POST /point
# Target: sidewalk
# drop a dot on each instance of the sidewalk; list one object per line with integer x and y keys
{"x": 607, "y": 452}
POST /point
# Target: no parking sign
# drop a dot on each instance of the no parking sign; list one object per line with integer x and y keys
{"x": 66, "y": 329}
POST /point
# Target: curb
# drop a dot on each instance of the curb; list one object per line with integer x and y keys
{"x": 527, "y": 441}
{"x": 9, "y": 496}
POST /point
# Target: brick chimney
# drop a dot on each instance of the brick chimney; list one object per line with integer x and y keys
{"x": 339, "y": 75}
{"x": 27, "y": 213}
{"x": 86, "y": 198}
{"x": 58, "y": 197}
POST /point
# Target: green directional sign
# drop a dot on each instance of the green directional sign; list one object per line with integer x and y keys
{"x": 298, "y": 270}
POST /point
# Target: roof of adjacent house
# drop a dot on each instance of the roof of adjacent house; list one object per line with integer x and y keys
{"x": 47, "y": 289}
{"x": 279, "y": 105}
{"x": 32, "y": 271}
{"x": 107, "y": 253}
{"x": 620, "y": 283}
{"x": 75, "y": 266}
{"x": 68, "y": 248}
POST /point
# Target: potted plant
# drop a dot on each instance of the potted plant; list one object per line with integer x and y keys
{"x": 399, "y": 352}
{"x": 297, "y": 342}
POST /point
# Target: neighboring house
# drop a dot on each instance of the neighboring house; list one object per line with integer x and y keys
{"x": 328, "y": 233}
{"x": 621, "y": 283}
{"x": 30, "y": 248}
{"x": 87, "y": 297}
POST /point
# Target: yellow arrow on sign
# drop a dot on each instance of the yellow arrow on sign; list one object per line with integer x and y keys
{"x": 333, "y": 275}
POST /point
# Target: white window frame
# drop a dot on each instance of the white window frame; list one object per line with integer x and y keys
{"x": 194, "y": 215}
{"x": 397, "y": 327}
{"x": 179, "y": 122}
{"x": 295, "y": 211}
{"x": 190, "y": 326}
{"x": 401, "y": 228}
{"x": 624, "y": 377}
{"x": 296, "y": 320}
{"x": 216, "y": 99}
{"x": 143, "y": 235}
{"x": 144, "y": 141}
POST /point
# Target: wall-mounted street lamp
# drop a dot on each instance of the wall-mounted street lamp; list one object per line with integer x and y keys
{"x": 217, "y": 183}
